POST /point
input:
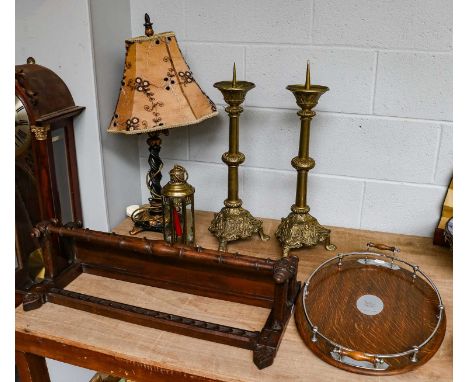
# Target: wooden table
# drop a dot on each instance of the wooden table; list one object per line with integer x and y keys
{"x": 144, "y": 354}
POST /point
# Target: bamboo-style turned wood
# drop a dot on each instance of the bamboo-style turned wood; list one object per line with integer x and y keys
{"x": 233, "y": 277}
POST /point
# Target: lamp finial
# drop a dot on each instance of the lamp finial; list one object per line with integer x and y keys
{"x": 307, "y": 83}
{"x": 148, "y": 26}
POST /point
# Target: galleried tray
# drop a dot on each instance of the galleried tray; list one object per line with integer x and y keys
{"x": 234, "y": 277}
{"x": 371, "y": 313}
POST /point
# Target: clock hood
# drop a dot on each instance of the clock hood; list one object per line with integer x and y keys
{"x": 42, "y": 91}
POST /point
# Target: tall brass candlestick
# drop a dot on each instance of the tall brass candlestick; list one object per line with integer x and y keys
{"x": 300, "y": 228}
{"x": 234, "y": 222}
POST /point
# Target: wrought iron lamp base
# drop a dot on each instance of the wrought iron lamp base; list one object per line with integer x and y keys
{"x": 302, "y": 229}
{"x": 234, "y": 223}
{"x": 147, "y": 218}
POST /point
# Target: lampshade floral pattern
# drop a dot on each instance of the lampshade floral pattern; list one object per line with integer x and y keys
{"x": 158, "y": 90}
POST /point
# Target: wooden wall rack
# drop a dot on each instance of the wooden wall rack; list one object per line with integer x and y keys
{"x": 234, "y": 277}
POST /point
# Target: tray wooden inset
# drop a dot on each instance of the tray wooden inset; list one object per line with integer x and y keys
{"x": 355, "y": 314}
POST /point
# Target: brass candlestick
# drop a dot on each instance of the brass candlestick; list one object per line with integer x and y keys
{"x": 300, "y": 228}
{"x": 234, "y": 222}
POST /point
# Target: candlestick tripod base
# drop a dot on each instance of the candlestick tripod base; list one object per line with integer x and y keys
{"x": 234, "y": 223}
{"x": 302, "y": 229}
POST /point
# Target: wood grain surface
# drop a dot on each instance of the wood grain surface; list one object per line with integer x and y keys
{"x": 409, "y": 314}
{"x": 146, "y": 354}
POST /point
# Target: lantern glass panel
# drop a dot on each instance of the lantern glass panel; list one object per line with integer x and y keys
{"x": 167, "y": 220}
{"x": 178, "y": 220}
{"x": 189, "y": 221}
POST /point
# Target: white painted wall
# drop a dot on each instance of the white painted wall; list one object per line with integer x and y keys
{"x": 83, "y": 42}
{"x": 382, "y": 138}
{"x": 58, "y": 35}
{"x": 110, "y": 28}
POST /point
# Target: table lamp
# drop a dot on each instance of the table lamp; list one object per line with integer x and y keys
{"x": 158, "y": 92}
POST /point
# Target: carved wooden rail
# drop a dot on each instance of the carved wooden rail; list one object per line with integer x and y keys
{"x": 227, "y": 276}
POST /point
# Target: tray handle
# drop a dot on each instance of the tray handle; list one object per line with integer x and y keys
{"x": 357, "y": 355}
{"x": 383, "y": 247}
{"x": 359, "y": 359}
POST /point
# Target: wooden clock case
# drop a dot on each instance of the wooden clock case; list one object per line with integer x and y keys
{"x": 41, "y": 193}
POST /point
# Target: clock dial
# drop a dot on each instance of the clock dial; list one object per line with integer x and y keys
{"x": 22, "y": 131}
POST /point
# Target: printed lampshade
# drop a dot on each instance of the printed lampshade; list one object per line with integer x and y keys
{"x": 158, "y": 90}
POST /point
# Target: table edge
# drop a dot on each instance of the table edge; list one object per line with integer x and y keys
{"x": 99, "y": 361}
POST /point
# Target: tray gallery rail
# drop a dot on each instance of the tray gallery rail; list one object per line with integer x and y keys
{"x": 234, "y": 277}
{"x": 371, "y": 313}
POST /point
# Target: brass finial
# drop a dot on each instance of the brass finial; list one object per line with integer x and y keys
{"x": 30, "y": 60}
{"x": 234, "y": 76}
{"x": 148, "y": 26}
{"x": 178, "y": 174}
{"x": 307, "y": 83}
{"x": 178, "y": 187}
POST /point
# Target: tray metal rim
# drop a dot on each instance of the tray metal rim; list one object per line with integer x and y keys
{"x": 378, "y": 357}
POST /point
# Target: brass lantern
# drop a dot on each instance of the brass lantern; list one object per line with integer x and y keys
{"x": 179, "y": 212}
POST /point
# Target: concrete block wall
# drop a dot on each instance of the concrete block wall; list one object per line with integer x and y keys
{"x": 382, "y": 137}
